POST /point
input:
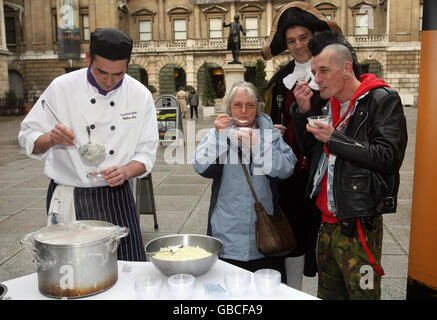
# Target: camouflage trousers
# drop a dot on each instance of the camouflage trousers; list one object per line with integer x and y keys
{"x": 345, "y": 272}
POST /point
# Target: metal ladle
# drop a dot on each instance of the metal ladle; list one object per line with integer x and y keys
{"x": 89, "y": 151}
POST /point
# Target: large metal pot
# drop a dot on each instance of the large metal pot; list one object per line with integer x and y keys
{"x": 76, "y": 260}
{"x": 3, "y": 291}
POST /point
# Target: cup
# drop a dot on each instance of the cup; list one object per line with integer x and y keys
{"x": 324, "y": 119}
{"x": 148, "y": 287}
{"x": 267, "y": 281}
{"x": 181, "y": 286}
{"x": 237, "y": 282}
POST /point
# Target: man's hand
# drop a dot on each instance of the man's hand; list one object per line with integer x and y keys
{"x": 114, "y": 175}
{"x": 281, "y": 128}
{"x": 303, "y": 93}
{"x": 63, "y": 135}
{"x": 60, "y": 135}
{"x": 323, "y": 133}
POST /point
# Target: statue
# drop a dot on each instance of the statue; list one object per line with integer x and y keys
{"x": 234, "y": 37}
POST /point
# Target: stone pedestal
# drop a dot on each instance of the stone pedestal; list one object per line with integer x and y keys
{"x": 233, "y": 73}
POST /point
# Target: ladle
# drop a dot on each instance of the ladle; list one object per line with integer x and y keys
{"x": 87, "y": 151}
{"x": 46, "y": 104}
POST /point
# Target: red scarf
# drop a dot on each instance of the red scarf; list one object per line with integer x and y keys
{"x": 368, "y": 82}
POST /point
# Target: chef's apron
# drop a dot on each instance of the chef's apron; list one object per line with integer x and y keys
{"x": 112, "y": 204}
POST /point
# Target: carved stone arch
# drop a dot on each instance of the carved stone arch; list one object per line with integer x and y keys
{"x": 327, "y": 8}
{"x": 181, "y": 61}
{"x": 144, "y": 12}
{"x": 359, "y": 4}
{"x": 251, "y": 7}
{"x": 178, "y": 11}
{"x": 214, "y": 9}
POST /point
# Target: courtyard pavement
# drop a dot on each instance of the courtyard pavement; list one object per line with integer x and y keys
{"x": 181, "y": 199}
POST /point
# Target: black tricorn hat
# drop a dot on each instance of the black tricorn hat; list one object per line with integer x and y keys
{"x": 295, "y": 13}
{"x": 111, "y": 44}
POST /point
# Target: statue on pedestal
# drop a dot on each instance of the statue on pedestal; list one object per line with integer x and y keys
{"x": 234, "y": 43}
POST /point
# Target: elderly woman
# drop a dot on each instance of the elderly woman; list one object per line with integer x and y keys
{"x": 247, "y": 131}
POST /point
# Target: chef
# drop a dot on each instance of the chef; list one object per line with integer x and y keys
{"x": 99, "y": 105}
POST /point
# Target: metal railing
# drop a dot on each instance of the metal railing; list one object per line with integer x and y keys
{"x": 11, "y": 106}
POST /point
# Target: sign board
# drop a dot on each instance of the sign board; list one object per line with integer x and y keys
{"x": 169, "y": 118}
{"x": 68, "y": 29}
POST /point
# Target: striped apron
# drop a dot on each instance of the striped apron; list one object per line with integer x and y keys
{"x": 112, "y": 204}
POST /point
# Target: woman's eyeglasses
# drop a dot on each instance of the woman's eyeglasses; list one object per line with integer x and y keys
{"x": 247, "y": 106}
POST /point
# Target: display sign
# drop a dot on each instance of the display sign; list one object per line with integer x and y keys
{"x": 68, "y": 29}
{"x": 168, "y": 117}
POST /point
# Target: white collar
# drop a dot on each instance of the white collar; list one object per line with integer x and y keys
{"x": 302, "y": 71}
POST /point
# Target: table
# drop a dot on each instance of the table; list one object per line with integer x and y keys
{"x": 26, "y": 288}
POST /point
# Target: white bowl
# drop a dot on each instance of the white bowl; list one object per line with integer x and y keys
{"x": 267, "y": 281}
{"x": 237, "y": 283}
{"x": 324, "y": 119}
{"x": 181, "y": 286}
{"x": 148, "y": 287}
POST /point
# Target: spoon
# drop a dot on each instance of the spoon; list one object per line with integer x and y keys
{"x": 171, "y": 250}
{"x": 240, "y": 121}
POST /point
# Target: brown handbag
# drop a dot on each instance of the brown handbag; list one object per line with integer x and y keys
{"x": 274, "y": 235}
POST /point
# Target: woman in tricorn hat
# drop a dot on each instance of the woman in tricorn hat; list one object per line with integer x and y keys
{"x": 103, "y": 105}
{"x": 294, "y": 25}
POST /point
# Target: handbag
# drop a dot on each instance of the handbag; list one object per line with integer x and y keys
{"x": 274, "y": 235}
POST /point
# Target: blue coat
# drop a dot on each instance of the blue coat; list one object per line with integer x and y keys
{"x": 232, "y": 217}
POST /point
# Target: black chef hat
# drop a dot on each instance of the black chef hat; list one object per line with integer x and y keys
{"x": 111, "y": 44}
{"x": 295, "y": 13}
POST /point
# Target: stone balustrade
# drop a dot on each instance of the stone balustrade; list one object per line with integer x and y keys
{"x": 247, "y": 43}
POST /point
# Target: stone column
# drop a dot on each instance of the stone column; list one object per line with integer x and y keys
{"x": 269, "y": 17}
{"x": 4, "y": 52}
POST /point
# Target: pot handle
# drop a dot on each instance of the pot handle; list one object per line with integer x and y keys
{"x": 44, "y": 259}
{"x": 119, "y": 232}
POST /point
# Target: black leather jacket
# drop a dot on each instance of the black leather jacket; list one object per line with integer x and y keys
{"x": 369, "y": 155}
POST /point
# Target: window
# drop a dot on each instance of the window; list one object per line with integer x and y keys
{"x": 251, "y": 27}
{"x": 362, "y": 24}
{"x": 145, "y": 30}
{"x": 180, "y": 29}
{"x": 215, "y": 28}
{"x": 85, "y": 27}
{"x": 11, "y": 36}
{"x": 327, "y": 9}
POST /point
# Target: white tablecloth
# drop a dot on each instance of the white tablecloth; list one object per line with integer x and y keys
{"x": 26, "y": 288}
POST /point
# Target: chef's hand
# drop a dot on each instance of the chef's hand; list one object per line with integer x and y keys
{"x": 222, "y": 122}
{"x": 63, "y": 135}
{"x": 281, "y": 128}
{"x": 115, "y": 176}
{"x": 303, "y": 93}
{"x": 323, "y": 133}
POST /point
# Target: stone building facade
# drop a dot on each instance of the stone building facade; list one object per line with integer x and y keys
{"x": 174, "y": 38}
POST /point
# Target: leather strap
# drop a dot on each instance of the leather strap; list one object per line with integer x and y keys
{"x": 248, "y": 178}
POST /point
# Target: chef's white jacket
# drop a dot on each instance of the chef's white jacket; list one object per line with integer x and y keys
{"x": 124, "y": 121}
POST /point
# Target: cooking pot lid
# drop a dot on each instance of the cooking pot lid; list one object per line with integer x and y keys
{"x": 78, "y": 232}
